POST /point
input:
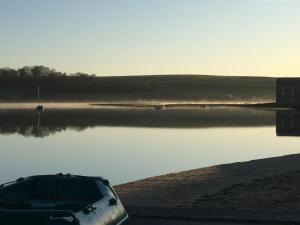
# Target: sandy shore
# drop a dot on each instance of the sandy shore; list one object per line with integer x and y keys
{"x": 260, "y": 190}
{"x": 170, "y": 221}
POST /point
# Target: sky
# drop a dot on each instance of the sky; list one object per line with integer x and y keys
{"x": 136, "y": 37}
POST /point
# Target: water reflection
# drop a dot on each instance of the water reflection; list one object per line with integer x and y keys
{"x": 129, "y": 144}
{"x": 288, "y": 123}
{"x": 28, "y": 122}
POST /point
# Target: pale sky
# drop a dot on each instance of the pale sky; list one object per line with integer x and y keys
{"x": 130, "y": 37}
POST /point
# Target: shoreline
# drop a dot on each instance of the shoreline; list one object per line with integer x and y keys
{"x": 258, "y": 190}
{"x": 155, "y": 105}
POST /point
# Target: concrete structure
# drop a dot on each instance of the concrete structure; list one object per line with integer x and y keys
{"x": 288, "y": 92}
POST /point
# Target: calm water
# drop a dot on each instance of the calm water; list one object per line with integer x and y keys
{"x": 129, "y": 144}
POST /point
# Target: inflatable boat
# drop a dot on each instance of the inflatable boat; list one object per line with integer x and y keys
{"x": 60, "y": 200}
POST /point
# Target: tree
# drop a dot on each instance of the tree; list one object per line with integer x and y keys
{"x": 24, "y": 72}
{"x": 40, "y": 71}
{"x": 7, "y": 72}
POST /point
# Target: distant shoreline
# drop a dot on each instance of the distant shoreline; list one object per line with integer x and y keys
{"x": 186, "y": 105}
{"x": 133, "y": 104}
{"x": 138, "y": 105}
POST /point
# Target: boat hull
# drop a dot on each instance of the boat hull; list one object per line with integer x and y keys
{"x": 61, "y": 203}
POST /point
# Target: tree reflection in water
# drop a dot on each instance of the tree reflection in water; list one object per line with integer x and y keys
{"x": 28, "y": 122}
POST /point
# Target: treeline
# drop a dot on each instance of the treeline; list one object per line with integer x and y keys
{"x": 37, "y": 72}
{"x": 21, "y": 85}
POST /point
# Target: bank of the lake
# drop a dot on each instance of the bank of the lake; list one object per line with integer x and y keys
{"x": 259, "y": 190}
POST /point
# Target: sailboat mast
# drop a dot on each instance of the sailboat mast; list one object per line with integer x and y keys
{"x": 39, "y": 108}
{"x": 38, "y": 91}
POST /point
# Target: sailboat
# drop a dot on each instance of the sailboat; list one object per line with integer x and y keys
{"x": 39, "y": 108}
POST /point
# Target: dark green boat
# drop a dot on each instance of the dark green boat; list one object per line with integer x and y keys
{"x": 60, "y": 200}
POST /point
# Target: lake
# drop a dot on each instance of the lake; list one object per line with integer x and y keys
{"x": 126, "y": 144}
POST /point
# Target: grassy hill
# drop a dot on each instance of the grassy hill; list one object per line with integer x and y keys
{"x": 154, "y": 88}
